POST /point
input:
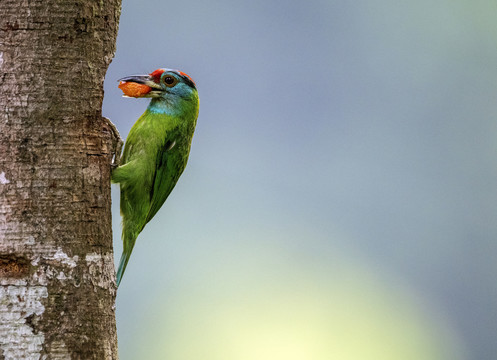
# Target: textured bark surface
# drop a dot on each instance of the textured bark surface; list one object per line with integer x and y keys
{"x": 57, "y": 287}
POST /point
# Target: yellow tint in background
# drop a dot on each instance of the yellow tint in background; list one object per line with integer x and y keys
{"x": 267, "y": 303}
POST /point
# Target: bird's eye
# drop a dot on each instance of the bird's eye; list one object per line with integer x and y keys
{"x": 170, "y": 81}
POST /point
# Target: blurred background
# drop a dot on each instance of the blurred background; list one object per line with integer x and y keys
{"x": 340, "y": 200}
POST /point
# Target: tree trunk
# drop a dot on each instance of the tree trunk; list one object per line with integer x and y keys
{"x": 57, "y": 279}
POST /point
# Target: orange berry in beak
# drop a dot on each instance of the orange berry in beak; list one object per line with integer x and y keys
{"x": 133, "y": 89}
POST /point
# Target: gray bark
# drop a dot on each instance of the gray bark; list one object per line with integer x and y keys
{"x": 57, "y": 279}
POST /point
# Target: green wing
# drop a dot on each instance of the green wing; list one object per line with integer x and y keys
{"x": 167, "y": 173}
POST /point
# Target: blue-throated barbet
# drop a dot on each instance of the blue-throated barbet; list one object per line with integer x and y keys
{"x": 156, "y": 149}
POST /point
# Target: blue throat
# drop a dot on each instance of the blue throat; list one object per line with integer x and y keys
{"x": 163, "y": 106}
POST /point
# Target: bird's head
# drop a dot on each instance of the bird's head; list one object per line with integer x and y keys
{"x": 162, "y": 84}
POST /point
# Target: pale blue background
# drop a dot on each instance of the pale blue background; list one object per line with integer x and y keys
{"x": 348, "y": 146}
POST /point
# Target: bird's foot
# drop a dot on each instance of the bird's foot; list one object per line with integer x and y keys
{"x": 117, "y": 144}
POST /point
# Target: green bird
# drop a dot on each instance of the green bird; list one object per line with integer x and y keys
{"x": 156, "y": 150}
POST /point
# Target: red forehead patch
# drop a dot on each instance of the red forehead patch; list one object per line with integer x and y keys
{"x": 156, "y": 74}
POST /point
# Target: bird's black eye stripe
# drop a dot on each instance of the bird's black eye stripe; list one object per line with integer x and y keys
{"x": 187, "y": 81}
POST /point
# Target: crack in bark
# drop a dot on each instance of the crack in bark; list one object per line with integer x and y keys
{"x": 12, "y": 266}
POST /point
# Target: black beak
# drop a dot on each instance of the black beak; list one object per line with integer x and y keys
{"x": 142, "y": 79}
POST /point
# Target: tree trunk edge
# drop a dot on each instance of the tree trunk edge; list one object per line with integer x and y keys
{"x": 57, "y": 277}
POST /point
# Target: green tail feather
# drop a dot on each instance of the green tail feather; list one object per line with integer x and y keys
{"x": 128, "y": 244}
{"x": 122, "y": 267}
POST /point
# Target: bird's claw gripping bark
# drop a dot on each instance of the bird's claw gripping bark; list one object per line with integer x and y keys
{"x": 117, "y": 144}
